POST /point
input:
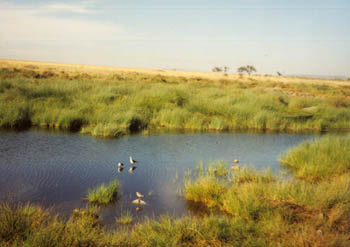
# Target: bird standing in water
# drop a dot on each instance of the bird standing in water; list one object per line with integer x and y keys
{"x": 139, "y": 202}
{"x": 139, "y": 195}
{"x": 132, "y": 161}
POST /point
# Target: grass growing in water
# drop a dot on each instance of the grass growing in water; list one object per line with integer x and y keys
{"x": 125, "y": 219}
{"x": 104, "y": 194}
{"x": 288, "y": 212}
{"x": 320, "y": 159}
{"x": 258, "y": 209}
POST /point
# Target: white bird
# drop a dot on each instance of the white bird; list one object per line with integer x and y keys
{"x": 139, "y": 195}
{"x": 132, "y": 168}
{"x": 139, "y": 202}
{"x": 236, "y": 161}
{"x": 132, "y": 161}
{"x": 120, "y": 169}
{"x": 120, "y": 164}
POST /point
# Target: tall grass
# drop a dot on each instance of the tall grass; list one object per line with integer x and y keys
{"x": 125, "y": 219}
{"x": 32, "y": 226}
{"x": 296, "y": 211}
{"x": 17, "y": 222}
{"x": 258, "y": 211}
{"x": 255, "y": 209}
{"x": 104, "y": 194}
{"x": 130, "y": 102}
{"x": 319, "y": 159}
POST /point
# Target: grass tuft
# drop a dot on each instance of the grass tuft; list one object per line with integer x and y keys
{"x": 320, "y": 159}
{"x": 104, "y": 194}
{"x": 125, "y": 219}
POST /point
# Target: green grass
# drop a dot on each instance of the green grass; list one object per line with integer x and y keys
{"x": 131, "y": 102}
{"x": 19, "y": 221}
{"x": 252, "y": 208}
{"x": 125, "y": 219}
{"x": 30, "y": 225}
{"x": 83, "y": 228}
{"x": 288, "y": 212}
{"x": 255, "y": 209}
{"x": 320, "y": 159}
{"x": 259, "y": 211}
{"x": 104, "y": 194}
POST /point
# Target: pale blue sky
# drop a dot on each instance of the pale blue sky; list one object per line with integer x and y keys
{"x": 294, "y": 37}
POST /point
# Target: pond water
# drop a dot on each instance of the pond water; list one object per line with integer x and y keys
{"x": 56, "y": 170}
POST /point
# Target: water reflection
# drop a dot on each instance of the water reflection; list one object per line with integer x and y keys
{"x": 57, "y": 169}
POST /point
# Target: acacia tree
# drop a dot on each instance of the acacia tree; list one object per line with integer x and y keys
{"x": 246, "y": 69}
{"x": 217, "y": 69}
{"x": 221, "y": 69}
{"x": 226, "y": 69}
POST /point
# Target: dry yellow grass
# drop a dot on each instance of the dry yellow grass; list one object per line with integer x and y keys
{"x": 106, "y": 71}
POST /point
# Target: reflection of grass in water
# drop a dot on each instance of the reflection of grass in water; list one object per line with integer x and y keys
{"x": 176, "y": 178}
{"x": 115, "y": 106}
{"x": 126, "y": 218}
{"x": 104, "y": 194}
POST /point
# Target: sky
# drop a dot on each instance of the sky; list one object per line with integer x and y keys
{"x": 293, "y": 37}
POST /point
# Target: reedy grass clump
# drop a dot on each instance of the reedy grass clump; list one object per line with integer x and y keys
{"x": 189, "y": 231}
{"x": 209, "y": 184}
{"x": 83, "y": 228}
{"x": 32, "y": 226}
{"x": 104, "y": 194}
{"x": 17, "y": 222}
{"x": 319, "y": 159}
{"x": 279, "y": 208}
{"x": 258, "y": 209}
{"x": 125, "y": 219}
{"x": 131, "y": 102}
{"x": 206, "y": 189}
{"x": 258, "y": 212}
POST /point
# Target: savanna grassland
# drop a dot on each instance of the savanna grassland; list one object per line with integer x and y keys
{"x": 110, "y": 102}
{"x": 245, "y": 207}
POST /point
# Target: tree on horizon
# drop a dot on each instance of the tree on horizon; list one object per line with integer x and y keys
{"x": 246, "y": 69}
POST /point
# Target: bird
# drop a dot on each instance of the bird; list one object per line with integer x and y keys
{"x": 236, "y": 161}
{"x": 132, "y": 161}
{"x": 120, "y": 169}
{"x": 139, "y": 202}
{"x": 139, "y": 195}
{"x": 120, "y": 164}
{"x": 132, "y": 168}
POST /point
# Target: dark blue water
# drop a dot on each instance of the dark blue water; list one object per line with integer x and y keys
{"x": 57, "y": 169}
